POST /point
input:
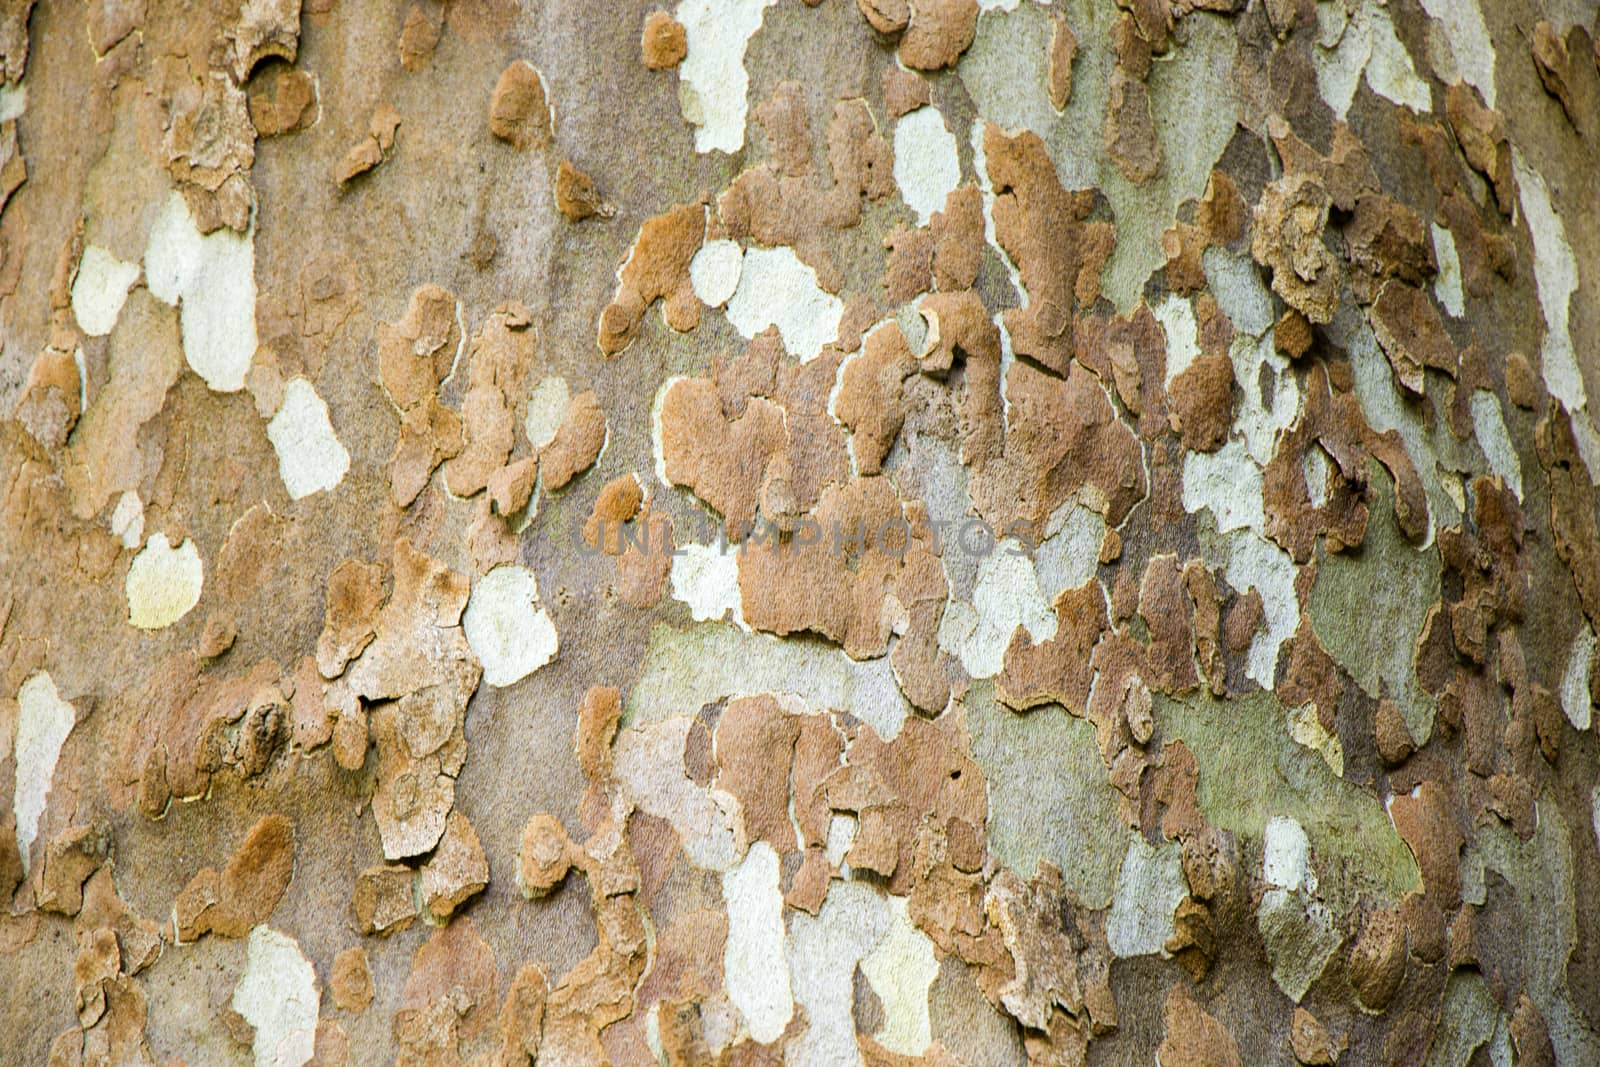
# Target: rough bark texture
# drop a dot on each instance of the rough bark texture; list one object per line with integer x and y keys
{"x": 827, "y": 533}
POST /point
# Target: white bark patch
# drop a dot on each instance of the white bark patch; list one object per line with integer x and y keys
{"x": 1555, "y": 272}
{"x": 1489, "y": 426}
{"x": 212, "y": 280}
{"x": 163, "y": 583}
{"x": 658, "y": 449}
{"x": 823, "y": 952}
{"x": 1469, "y": 42}
{"x": 43, "y": 722}
{"x": 1314, "y": 468}
{"x": 1447, "y": 285}
{"x": 1575, "y": 681}
{"x": 1069, "y": 555}
{"x": 1386, "y": 409}
{"x": 707, "y": 579}
{"x": 1176, "y": 316}
{"x": 1286, "y": 855}
{"x": 648, "y": 761}
{"x": 1364, "y": 42}
{"x": 900, "y": 970}
{"x": 506, "y": 625}
{"x": 1390, "y": 72}
{"x": 127, "y": 519}
{"x": 99, "y": 290}
{"x": 1263, "y": 422}
{"x": 1256, "y": 563}
{"x": 1306, "y": 729}
{"x": 1227, "y": 483}
{"x": 1239, "y": 289}
{"x": 1594, "y": 814}
{"x": 693, "y": 667}
{"x": 756, "y": 982}
{"x": 1342, "y": 57}
{"x": 1006, "y": 596}
{"x": 310, "y": 457}
{"x": 13, "y": 102}
{"x": 278, "y": 996}
{"x": 547, "y": 407}
{"x": 714, "y": 271}
{"x": 776, "y": 289}
{"x": 1150, "y": 887}
{"x": 926, "y": 166}
{"x": 841, "y": 839}
{"x": 712, "y": 83}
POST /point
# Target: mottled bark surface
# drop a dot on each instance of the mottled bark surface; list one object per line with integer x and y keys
{"x": 828, "y": 532}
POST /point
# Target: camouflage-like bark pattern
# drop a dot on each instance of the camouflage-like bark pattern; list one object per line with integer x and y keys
{"x": 828, "y": 532}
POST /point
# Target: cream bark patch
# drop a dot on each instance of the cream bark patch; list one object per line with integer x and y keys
{"x": 823, "y": 952}
{"x": 1468, "y": 37}
{"x": 926, "y": 166}
{"x": 1447, "y": 285}
{"x": 1227, "y": 483}
{"x": 1390, "y": 72}
{"x": 43, "y": 722}
{"x": 1555, "y": 269}
{"x": 163, "y": 583}
{"x": 1176, "y": 316}
{"x": 1067, "y": 557}
{"x": 310, "y": 457}
{"x": 1286, "y": 855}
{"x": 711, "y": 661}
{"x": 277, "y": 995}
{"x": 13, "y": 102}
{"x": 1259, "y": 564}
{"x": 648, "y": 760}
{"x": 776, "y": 289}
{"x": 507, "y": 626}
{"x": 712, "y": 83}
{"x": 1490, "y": 427}
{"x": 1270, "y": 397}
{"x": 1307, "y": 730}
{"x": 757, "y": 984}
{"x": 706, "y": 578}
{"x": 714, "y": 271}
{"x": 99, "y": 290}
{"x": 211, "y": 278}
{"x": 1006, "y": 596}
{"x": 1149, "y": 888}
{"x": 127, "y": 519}
{"x": 841, "y": 835}
{"x": 901, "y": 969}
{"x": 547, "y": 407}
{"x": 1364, "y": 42}
{"x": 1575, "y": 680}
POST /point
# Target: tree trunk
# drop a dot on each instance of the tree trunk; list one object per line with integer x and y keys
{"x": 813, "y": 532}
